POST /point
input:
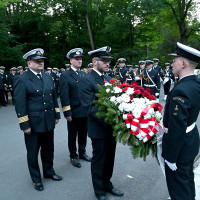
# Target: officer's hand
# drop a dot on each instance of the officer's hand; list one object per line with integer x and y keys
{"x": 156, "y": 94}
{"x": 69, "y": 118}
{"x": 27, "y": 131}
{"x": 56, "y": 121}
{"x": 172, "y": 166}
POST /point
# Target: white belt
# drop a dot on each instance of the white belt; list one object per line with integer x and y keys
{"x": 188, "y": 129}
{"x": 149, "y": 85}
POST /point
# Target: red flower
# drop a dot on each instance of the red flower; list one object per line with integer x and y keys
{"x": 124, "y": 89}
{"x": 112, "y": 80}
{"x": 148, "y": 90}
{"x": 152, "y": 97}
{"x": 134, "y": 83}
{"x": 104, "y": 82}
{"x": 131, "y": 96}
{"x": 146, "y": 94}
{"x": 137, "y": 92}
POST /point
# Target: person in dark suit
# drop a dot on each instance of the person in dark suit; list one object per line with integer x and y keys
{"x": 74, "y": 112}
{"x": 168, "y": 77}
{"x": 151, "y": 79}
{"x": 101, "y": 134}
{"x": 180, "y": 144}
{"x": 37, "y": 111}
{"x": 11, "y": 78}
{"x": 122, "y": 70}
{"x": 3, "y": 85}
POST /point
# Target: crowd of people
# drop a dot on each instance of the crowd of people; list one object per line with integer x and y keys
{"x": 147, "y": 74}
{"x": 35, "y": 94}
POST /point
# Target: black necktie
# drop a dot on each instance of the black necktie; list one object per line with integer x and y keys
{"x": 39, "y": 76}
{"x": 103, "y": 77}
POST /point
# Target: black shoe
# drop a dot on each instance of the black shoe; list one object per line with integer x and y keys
{"x": 85, "y": 157}
{"x": 3, "y": 104}
{"x": 54, "y": 177}
{"x": 76, "y": 162}
{"x": 115, "y": 192}
{"x": 38, "y": 186}
{"x": 102, "y": 197}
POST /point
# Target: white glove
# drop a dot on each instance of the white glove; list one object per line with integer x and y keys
{"x": 156, "y": 94}
{"x": 172, "y": 166}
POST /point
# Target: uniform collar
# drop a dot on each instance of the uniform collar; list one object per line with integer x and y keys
{"x": 35, "y": 72}
{"x": 100, "y": 74}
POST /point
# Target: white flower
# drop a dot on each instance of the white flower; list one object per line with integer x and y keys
{"x": 106, "y": 84}
{"x": 127, "y": 107}
{"x": 126, "y": 98}
{"x": 113, "y": 99}
{"x": 117, "y": 90}
{"x": 119, "y": 99}
{"x": 158, "y": 116}
{"x": 121, "y": 106}
{"x": 107, "y": 90}
{"x": 130, "y": 91}
{"x": 136, "y": 113}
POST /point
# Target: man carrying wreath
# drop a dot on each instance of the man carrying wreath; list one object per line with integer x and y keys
{"x": 101, "y": 134}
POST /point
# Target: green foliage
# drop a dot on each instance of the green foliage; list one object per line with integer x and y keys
{"x": 135, "y": 29}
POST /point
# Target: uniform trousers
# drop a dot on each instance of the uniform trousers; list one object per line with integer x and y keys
{"x": 180, "y": 183}
{"x": 2, "y": 96}
{"x": 43, "y": 142}
{"x": 102, "y": 164}
{"x": 167, "y": 87}
{"x": 77, "y": 127}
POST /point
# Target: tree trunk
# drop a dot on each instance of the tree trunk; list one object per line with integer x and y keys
{"x": 88, "y": 26}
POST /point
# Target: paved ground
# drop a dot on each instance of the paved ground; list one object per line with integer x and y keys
{"x": 138, "y": 179}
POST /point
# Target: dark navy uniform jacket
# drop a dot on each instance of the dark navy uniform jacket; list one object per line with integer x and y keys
{"x": 154, "y": 76}
{"x": 123, "y": 74}
{"x": 11, "y": 78}
{"x": 35, "y": 102}
{"x": 3, "y": 81}
{"x": 70, "y": 93}
{"x": 168, "y": 73}
{"x": 181, "y": 110}
{"x": 97, "y": 128}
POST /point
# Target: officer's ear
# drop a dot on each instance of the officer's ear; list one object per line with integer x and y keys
{"x": 185, "y": 63}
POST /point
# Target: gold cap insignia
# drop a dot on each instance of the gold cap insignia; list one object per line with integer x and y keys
{"x": 78, "y": 53}
{"x": 38, "y": 53}
{"x": 108, "y": 49}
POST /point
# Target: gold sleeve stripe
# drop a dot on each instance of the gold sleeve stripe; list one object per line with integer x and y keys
{"x": 66, "y": 108}
{"x": 23, "y": 119}
{"x": 57, "y": 110}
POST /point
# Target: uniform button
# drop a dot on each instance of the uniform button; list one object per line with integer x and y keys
{"x": 51, "y": 101}
{"x": 44, "y": 103}
{"x": 43, "y": 95}
{"x": 45, "y": 110}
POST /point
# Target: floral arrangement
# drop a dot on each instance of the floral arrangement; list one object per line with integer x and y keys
{"x": 134, "y": 115}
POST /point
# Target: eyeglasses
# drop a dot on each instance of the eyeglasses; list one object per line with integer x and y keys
{"x": 105, "y": 61}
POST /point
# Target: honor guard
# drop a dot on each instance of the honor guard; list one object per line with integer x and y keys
{"x": 180, "y": 144}
{"x": 3, "y": 86}
{"x": 168, "y": 77}
{"x": 122, "y": 70}
{"x": 57, "y": 79}
{"x": 140, "y": 73}
{"x": 151, "y": 79}
{"x": 110, "y": 72}
{"x": 67, "y": 67}
{"x": 38, "y": 112}
{"x": 89, "y": 68}
{"x": 74, "y": 112}
{"x": 130, "y": 73}
{"x": 20, "y": 70}
{"x": 11, "y": 77}
{"x": 157, "y": 67}
{"x": 101, "y": 134}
